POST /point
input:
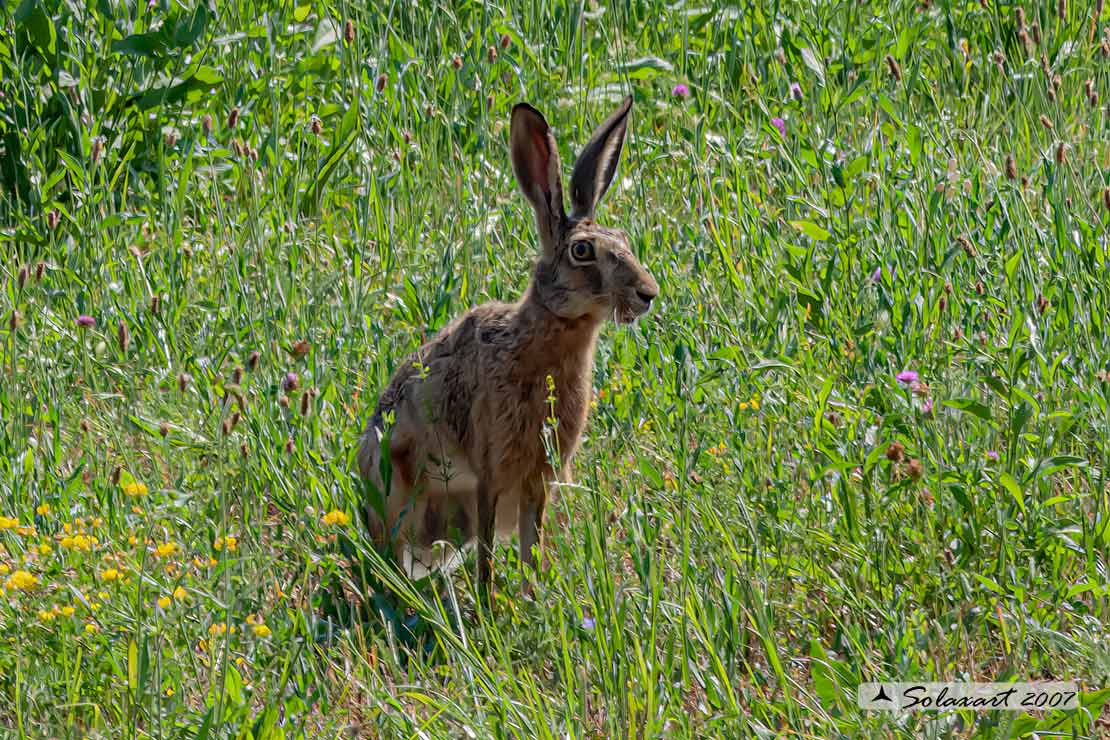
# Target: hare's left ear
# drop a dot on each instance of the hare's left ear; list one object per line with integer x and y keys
{"x": 596, "y": 165}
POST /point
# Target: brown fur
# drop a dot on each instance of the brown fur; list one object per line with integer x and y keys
{"x": 468, "y": 407}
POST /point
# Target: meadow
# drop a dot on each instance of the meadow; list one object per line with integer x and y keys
{"x": 863, "y": 434}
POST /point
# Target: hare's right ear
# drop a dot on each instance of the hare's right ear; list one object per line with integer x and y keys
{"x": 597, "y": 163}
{"x": 536, "y": 163}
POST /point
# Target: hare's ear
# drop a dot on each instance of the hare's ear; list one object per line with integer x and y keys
{"x": 596, "y": 165}
{"x": 536, "y": 163}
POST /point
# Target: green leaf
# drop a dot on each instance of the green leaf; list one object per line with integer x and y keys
{"x": 133, "y": 666}
{"x": 989, "y": 583}
{"x": 645, "y": 68}
{"x": 1010, "y": 484}
{"x": 812, "y": 230}
{"x": 344, "y": 138}
{"x": 1012, "y": 265}
{"x": 188, "y": 34}
{"x": 31, "y": 17}
{"x": 152, "y": 44}
{"x": 970, "y": 406}
{"x": 815, "y": 64}
{"x": 649, "y": 471}
{"x": 190, "y": 89}
{"x": 301, "y": 12}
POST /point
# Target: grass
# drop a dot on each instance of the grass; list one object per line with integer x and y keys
{"x": 763, "y": 515}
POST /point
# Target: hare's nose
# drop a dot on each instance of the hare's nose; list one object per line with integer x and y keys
{"x": 647, "y": 292}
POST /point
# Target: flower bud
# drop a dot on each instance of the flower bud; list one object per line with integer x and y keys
{"x": 895, "y": 68}
{"x": 123, "y": 335}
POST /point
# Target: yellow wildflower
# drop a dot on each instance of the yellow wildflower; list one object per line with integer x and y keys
{"x": 336, "y": 517}
{"x": 4, "y": 568}
{"x": 212, "y": 562}
{"x": 90, "y": 628}
{"x": 164, "y": 602}
{"x": 45, "y": 616}
{"x": 6, "y": 522}
{"x": 68, "y": 528}
{"x": 135, "y": 488}
{"x": 103, "y": 595}
{"x": 68, "y": 611}
{"x": 755, "y": 404}
{"x": 221, "y": 628}
{"x": 261, "y": 630}
{"x": 25, "y": 531}
{"x": 132, "y": 540}
{"x": 218, "y": 544}
{"x": 21, "y": 580}
{"x": 42, "y": 509}
{"x": 166, "y": 549}
{"x": 45, "y": 549}
{"x": 232, "y": 543}
{"x": 180, "y": 593}
{"x": 110, "y": 574}
{"x": 169, "y": 691}
{"x": 744, "y": 405}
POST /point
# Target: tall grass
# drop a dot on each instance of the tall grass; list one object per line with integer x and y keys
{"x": 763, "y": 515}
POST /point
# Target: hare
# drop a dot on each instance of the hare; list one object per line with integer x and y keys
{"x": 462, "y": 418}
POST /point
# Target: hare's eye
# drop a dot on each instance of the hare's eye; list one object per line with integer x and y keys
{"x": 582, "y": 252}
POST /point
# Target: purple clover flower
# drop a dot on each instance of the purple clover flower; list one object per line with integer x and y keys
{"x": 85, "y": 321}
{"x": 780, "y": 125}
{"x": 906, "y": 377}
{"x": 993, "y": 455}
{"x": 680, "y": 91}
{"x": 795, "y": 91}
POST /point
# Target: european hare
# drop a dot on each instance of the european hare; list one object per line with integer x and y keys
{"x": 465, "y": 444}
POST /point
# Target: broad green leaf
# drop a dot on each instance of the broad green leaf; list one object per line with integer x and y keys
{"x": 969, "y": 406}
{"x": 644, "y": 68}
{"x": 1010, "y": 484}
{"x": 812, "y": 230}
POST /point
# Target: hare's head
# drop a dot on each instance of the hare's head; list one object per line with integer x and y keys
{"x": 585, "y": 269}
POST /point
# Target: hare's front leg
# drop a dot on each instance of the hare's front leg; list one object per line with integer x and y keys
{"x": 487, "y": 511}
{"x": 533, "y": 499}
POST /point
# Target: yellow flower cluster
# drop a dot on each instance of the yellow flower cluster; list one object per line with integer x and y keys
{"x": 21, "y": 580}
{"x": 335, "y": 517}
{"x": 135, "y": 488}
{"x": 166, "y": 549}
{"x": 258, "y": 627}
{"x": 78, "y": 541}
{"x": 230, "y": 542}
{"x": 6, "y": 522}
{"x": 752, "y": 404}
